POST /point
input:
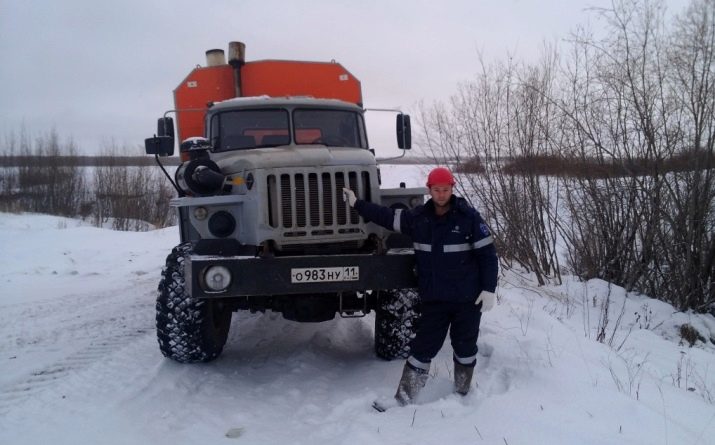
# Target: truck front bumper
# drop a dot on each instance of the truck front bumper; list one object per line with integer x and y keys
{"x": 278, "y": 275}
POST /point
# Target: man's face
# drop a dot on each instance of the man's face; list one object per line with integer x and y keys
{"x": 440, "y": 194}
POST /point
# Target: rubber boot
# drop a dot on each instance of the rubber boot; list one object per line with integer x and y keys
{"x": 412, "y": 381}
{"x": 462, "y": 378}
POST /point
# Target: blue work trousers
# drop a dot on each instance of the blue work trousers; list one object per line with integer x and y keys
{"x": 461, "y": 319}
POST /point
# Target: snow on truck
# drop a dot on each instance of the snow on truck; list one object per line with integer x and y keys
{"x": 266, "y": 148}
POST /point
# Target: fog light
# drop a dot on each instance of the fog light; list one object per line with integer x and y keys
{"x": 415, "y": 201}
{"x": 222, "y": 224}
{"x": 217, "y": 278}
{"x": 200, "y": 213}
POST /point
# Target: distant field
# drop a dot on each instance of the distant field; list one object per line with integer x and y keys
{"x": 135, "y": 161}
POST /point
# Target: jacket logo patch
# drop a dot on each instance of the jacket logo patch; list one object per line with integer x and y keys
{"x": 456, "y": 229}
{"x": 484, "y": 229}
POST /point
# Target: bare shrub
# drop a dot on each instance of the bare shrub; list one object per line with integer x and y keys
{"x": 133, "y": 198}
{"x": 8, "y": 175}
{"x": 689, "y": 334}
{"x": 627, "y": 372}
{"x": 54, "y": 184}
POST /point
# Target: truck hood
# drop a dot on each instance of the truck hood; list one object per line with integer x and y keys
{"x": 291, "y": 156}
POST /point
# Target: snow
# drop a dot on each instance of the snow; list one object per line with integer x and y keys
{"x": 80, "y": 362}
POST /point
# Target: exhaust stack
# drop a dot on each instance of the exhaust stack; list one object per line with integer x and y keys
{"x": 237, "y": 58}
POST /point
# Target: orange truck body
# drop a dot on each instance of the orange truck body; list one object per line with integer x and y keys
{"x": 275, "y": 78}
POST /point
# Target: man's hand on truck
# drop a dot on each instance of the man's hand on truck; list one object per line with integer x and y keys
{"x": 349, "y": 196}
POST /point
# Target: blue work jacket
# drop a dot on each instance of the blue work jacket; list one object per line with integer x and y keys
{"x": 455, "y": 253}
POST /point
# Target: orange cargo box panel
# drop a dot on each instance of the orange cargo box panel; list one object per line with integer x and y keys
{"x": 192, "y": 96}
{"x": 275, "y": 78}
{"x": 278, "y": 78}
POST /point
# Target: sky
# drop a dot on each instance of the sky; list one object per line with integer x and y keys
{"x": 102, "y": 72}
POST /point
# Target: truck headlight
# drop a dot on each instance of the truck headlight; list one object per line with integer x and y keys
{"x": 222, "y": 224}
{"x": 217, "y": 278}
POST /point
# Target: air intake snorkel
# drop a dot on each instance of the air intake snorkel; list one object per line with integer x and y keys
{"x": 199, "y": 176}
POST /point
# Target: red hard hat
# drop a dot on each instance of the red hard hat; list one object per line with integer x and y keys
{"x": 440, "y": 175}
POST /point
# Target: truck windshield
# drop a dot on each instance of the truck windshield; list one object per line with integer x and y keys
{"x": 336, "y": 128}
{"x": 242, "y": 129}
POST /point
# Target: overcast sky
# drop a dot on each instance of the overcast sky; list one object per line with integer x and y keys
{"x": 102, "y": 71}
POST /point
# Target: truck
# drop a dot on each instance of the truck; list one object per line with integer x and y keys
{"x": 266, "y": 148}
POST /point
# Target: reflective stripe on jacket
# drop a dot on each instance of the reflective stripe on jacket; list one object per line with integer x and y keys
{"x": 455, "y": 253}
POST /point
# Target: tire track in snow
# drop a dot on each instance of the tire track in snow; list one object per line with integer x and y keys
{"x": 51, "y": 376}
{"x": 74, "y": 331}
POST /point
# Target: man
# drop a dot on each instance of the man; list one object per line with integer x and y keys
{"x": 457, "y": 271}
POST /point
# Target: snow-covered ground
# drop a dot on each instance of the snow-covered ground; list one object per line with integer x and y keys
{"x": 79, "y": 361}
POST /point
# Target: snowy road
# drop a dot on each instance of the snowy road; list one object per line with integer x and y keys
{"x": 80, "y": 363}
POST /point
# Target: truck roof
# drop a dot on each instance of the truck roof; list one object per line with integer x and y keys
{"x": 283, "y": 102}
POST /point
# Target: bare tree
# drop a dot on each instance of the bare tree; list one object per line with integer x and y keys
{"x": 640, "y": 97}
{"x": 610, "y": 105}
{"x": 687, "y": 274}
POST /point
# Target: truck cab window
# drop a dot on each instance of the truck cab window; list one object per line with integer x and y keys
{"x": 244, "y": 129}
{"x": 333, "y": 128}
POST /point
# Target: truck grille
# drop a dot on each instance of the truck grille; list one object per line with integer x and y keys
{"x": 311, "y": 204}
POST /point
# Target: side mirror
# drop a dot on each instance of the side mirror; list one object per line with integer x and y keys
{"x": 404, "y": 131}
{"x": 159, "y": 145}
{"x": 165, "y": 127}
{"x": 163, "y": 143}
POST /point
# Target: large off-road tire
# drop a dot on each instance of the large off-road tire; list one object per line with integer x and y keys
{"x": 396, "y": 320}
{"x": 189, "y": 330}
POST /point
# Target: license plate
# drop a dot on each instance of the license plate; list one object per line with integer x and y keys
{"x": 324, "y": 274}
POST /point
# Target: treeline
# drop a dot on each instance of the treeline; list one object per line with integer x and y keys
{"x": 48, "y": 176}
{"x": 82, "y": 161}
{"x": 634, "y": 105}
{"x": 551, "y": 165}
